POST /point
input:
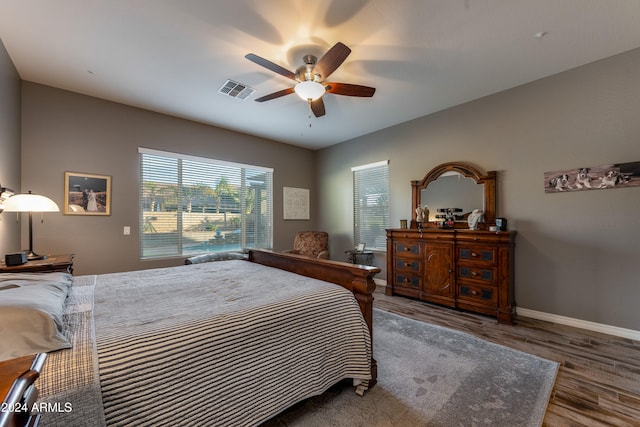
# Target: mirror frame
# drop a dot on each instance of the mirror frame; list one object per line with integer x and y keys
{"x": 469, "y": 171}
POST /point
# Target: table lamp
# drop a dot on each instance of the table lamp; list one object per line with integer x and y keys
{"x": 30, "y": 203}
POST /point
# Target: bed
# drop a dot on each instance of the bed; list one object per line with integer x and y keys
{"x": 218, "y": 343}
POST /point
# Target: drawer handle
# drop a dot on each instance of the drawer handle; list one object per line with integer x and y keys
{"x": 473, "y": 254}
{"x": 474, "y": 273}
{"x": 474, "y": 293}
{"x": 407, "y": 249}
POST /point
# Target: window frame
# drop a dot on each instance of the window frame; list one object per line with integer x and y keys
{"x": 360, "y": 230}
{"x": 260, "y": 236}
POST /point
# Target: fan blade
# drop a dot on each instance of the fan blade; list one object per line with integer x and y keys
{"x": 331, "y": 60}
{"x": 275, "y": 95}
{"x": 317, "y": 107}
{"x": 270, "y": 66}
{"x": 349, "y": 89}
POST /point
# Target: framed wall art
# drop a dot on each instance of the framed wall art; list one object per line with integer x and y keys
{"x": 296, "y": 203}
{"x": 600, "y": 177}
{"x": 87, "y": 194}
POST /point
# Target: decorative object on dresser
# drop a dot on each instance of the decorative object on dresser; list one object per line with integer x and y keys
{"x": 473, "y": 219}
{"x": 422, "y": 214}
{"x": 501, "y": 224}
{"x": 456, "y": 267}
{"x": 448, "y": 216}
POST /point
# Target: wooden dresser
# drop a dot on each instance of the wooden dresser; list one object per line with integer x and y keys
{"x": 465, "y": 269}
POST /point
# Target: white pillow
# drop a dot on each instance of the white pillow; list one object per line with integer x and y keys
{"x": 31, "y": 315}
{"x": 13, "y": 280}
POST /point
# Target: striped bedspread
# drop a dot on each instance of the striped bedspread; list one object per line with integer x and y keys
{"x": 224, "y": 343}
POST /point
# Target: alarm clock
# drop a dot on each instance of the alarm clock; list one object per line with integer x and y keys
{"x": 14, "y": 259}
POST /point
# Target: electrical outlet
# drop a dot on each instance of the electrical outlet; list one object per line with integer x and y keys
{"x": 127, "y": 230}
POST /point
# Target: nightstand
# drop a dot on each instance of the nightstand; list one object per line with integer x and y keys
{"x": 17, "y": 390}
{"x": 62, "y": 263}
{"x": 354, "y": 254}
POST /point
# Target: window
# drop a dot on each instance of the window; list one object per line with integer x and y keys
{"x": 371, "y": 204}
{"x": 191, "y": 205}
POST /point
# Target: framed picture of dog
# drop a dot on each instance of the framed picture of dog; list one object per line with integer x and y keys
{"x": 593, "y": 178}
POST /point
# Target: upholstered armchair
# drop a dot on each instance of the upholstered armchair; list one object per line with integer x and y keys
{"x": 314, "y": 244}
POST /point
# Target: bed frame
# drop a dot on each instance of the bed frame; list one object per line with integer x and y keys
{"x": 356, "y": 278}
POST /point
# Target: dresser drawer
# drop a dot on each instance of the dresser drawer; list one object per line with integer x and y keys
{"x": 411, "y": 265}
{"x": 407, "y": 249}
{"x": 407, "y": 280}
{"x": 485, "y": 255}
{"x": 485, "y": 295}
{"x": 477, "y": 273}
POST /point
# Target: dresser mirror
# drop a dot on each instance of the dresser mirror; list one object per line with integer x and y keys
{"x": 456, "y": 185}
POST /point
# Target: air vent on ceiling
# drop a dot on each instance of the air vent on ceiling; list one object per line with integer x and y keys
{"x": 236, "y": 90}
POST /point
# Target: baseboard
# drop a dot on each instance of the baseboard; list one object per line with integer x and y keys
{"x": 567, "y": 321}
{"x": 380, "y": 282}
{"x": 582, "y": 324}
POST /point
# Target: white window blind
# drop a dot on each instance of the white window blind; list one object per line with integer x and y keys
{"x": 371, "y": 204}
{"x": 191, "y": 205}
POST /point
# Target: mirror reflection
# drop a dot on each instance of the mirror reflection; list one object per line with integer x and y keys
{"x": 453, "y": 190}
{"x": 472, "y": 189}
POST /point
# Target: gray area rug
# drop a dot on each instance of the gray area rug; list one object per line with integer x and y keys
{"x": 433, "y": 376}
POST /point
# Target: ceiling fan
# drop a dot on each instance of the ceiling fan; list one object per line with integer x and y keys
{"x": 311, "y": 77}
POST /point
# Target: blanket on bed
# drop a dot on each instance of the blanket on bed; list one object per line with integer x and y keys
{"x": 226, "y": 343}
{"x": 71, "y": 376}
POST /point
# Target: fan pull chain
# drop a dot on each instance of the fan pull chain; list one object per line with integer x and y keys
{"x": 310, "y": 111}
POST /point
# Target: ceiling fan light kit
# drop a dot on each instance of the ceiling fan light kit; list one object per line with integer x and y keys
{"x": 309, "y": 90}
{"x": 310, "y": 77}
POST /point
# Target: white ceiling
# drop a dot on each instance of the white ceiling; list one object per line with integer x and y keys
{"x": 172, "y": 56}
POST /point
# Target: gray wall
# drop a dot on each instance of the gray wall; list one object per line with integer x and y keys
{"x": 9, "y": 147}
{"x": 576, "y": 253}
{"x": 65, "y": 131}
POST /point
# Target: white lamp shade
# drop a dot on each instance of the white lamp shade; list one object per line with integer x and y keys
{"x": 309, "y": 90}
{"x": 30, "y": 203}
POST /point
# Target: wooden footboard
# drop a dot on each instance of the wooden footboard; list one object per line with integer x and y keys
{"x": 356, "y": 278}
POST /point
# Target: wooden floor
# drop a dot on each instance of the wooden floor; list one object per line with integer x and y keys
{"x": 598, "y": 383}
